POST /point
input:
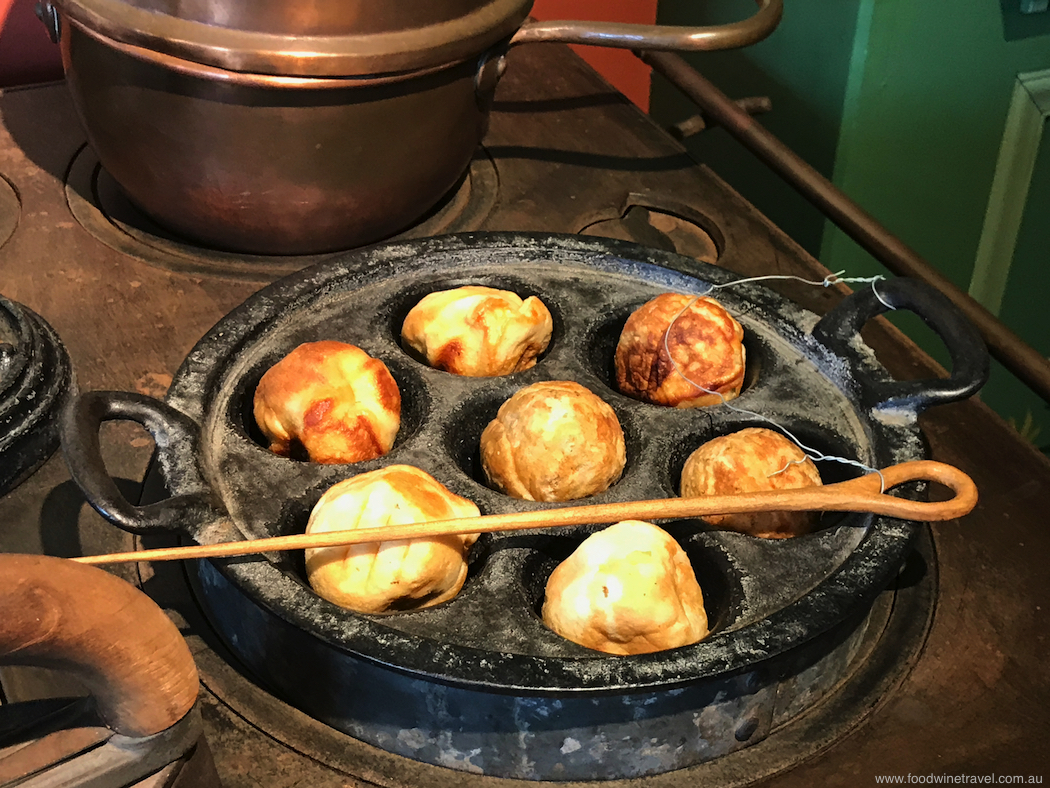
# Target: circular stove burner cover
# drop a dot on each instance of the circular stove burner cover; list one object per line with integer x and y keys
{"x": 104, "y": 211}
{"x": 35, "y": 378}
{"x": 10, "y": 208}
{"x": 659, "y": 221}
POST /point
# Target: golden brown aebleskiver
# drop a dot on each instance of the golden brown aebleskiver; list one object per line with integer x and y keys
{"x": 331, "y": 399}
{"x": 628, "y": 589}
{"x": 705, "y": 343}
{"x": 478, "y": 331}
{"x": 396, "y": 575}
{"x": 752, "y": 460}
{"x": 553, "y": 441}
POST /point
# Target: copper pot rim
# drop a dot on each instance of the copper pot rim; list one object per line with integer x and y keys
{"x": 485, "y": 30}
{"x": 427, "y": 47}
{"x": 244, "y": 79}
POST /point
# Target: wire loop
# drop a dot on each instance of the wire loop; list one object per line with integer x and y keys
{"x": 827, "y": 281}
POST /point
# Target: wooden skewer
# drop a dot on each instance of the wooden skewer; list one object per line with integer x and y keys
{"x": 863, "y": 494}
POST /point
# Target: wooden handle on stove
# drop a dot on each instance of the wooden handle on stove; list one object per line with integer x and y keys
{"x": 864, "y": 494}
{"x": 55, "y": 613}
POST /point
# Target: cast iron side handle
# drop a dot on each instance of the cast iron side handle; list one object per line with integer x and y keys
{"x": 79, "y": 430}
{"x": 970, "y": 364}
{"x": 657, "y": 37}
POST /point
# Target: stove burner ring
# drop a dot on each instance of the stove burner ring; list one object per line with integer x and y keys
{"x": 104, "y": 211}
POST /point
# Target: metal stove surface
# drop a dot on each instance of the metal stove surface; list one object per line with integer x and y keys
{"x": 955, "y": 682}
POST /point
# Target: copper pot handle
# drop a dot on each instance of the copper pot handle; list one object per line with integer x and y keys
{"x": 59, "y": 614}
{"x": 657, "y": 37}
{"x": 605, "y": 34}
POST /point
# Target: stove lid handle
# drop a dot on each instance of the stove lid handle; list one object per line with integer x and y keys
{"x": 969, "y": 355}
{"x": 176, "y": 437}
{"x": 659, "y": 38}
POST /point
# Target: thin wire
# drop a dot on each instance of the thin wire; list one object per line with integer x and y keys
{"x": 811, "y": 452}
{"x": 827, "y": 281}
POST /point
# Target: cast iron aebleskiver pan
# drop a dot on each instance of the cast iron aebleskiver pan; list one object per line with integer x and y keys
{"x": 479, "y": 683}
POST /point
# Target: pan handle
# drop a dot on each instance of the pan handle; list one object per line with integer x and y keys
{"x": 657, "y": 37}
{"x": 970, "y": 362}
{"x": 176, "y": 437}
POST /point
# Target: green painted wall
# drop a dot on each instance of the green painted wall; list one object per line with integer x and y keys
{"x": 928, "y": 91}
{"x": 1026, "y": 306}
{"x": 922, "y": 124}
{"x": 1027, "y": 298}
{"x": 803, "y": 67}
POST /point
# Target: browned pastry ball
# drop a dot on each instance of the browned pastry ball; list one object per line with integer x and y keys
{"x": 330, "y": 400}
{"x": 478, "y": 331}
{"x": 553, "y": 441}
{"x": 752, "y": 460}
{"x": 705, "y": 342}
{"x": 628, "y": 589}
{"x": 376, "y": 577}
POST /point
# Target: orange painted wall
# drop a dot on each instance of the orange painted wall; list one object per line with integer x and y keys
{"x": 628, "y": 74}
{"x": 26, "y": 53}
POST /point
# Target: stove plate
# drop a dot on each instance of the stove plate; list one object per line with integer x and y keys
{"x": 100, "y": 206}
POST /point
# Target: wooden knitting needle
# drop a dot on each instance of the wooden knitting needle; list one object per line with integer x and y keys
{"x": 863, "y": 494}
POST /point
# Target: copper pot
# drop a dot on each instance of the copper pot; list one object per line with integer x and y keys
{"x": 271, "y": 130}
